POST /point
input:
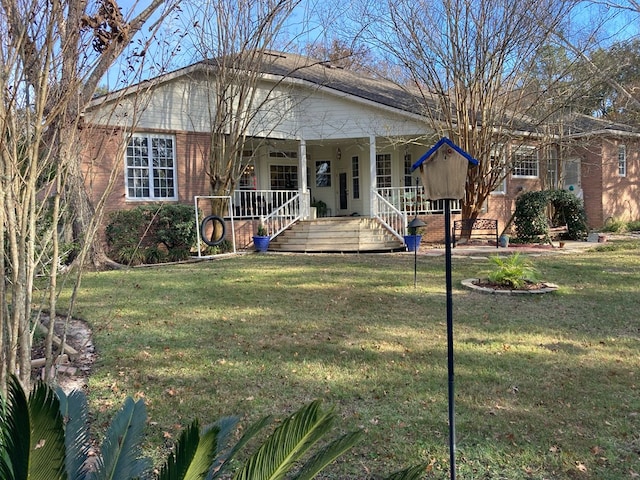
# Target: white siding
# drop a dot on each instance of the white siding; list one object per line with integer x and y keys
{"x": 286, "y": 111}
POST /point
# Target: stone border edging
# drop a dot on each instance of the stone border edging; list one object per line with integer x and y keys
{"x": 548, "y": 288}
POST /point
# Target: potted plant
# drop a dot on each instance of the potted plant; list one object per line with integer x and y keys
{"x": 413, "y": 238}
{"x": 261, "y": 238}
{"x": 504, "y": 240}
{"x": 321, "y": 208}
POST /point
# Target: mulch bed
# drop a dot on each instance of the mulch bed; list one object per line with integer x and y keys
{"x": 498, "y": 286}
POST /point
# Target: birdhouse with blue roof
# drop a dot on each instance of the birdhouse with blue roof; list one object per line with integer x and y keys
{"x": 443, "y": 170}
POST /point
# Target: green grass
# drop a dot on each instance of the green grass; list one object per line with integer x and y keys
{"x": 547, "y": 387}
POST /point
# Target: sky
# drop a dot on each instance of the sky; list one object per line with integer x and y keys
{"x": 614, "y": 25}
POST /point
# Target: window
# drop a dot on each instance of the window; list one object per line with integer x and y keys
{"x": 383, "y": 170}
{"x": 622, "y": 160}
{"x": 408, "y": 178}
{"x": 151, "y": 172}
{"x": 283, "y": 177}
{"x": 355, "y": 176}
{"x": 248, "y": 180}
{"x": 525, "y": 162}
{"x": 323, "y": 173}
{"x": 496, "y": 161}
{"x": 552, "y": 169}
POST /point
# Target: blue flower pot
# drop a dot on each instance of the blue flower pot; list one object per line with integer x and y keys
{"x": 261, "y": 243}
{"x": 412, "y": 242}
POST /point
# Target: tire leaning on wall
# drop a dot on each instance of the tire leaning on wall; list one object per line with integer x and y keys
{"x": 209, "y": 240}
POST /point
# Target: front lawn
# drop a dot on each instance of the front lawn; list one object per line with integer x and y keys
{"x": 547, "y": 386}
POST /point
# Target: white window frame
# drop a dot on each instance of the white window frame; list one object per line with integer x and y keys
{"x": 281, "y": 173}
{"x": 383, "y": 170}
{"x": 408, "y": 174}
{"x": 143, "y": 169}
{"x": 355, "y": 176}
{"x": 622, "y": 160}
{"x": 248, "y": 179}
{"x": 498, "y": 150}
{"x": 528, "y": 154}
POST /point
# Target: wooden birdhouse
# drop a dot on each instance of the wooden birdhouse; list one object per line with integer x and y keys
{"x": 443, "y": 170}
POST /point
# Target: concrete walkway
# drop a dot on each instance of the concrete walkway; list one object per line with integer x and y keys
{"x": 485, "y": 250}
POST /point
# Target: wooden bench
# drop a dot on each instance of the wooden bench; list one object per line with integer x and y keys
{"x": 555, "y": 233}
{"x": 480, "y": 227}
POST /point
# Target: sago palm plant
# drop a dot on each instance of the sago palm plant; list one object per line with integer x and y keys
{"x": 45, "y": 436}
{"x": 513, "y": 271}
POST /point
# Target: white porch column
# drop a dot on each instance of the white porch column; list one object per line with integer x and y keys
{"x": 372, "y": 174}
{"x": 305, "y": 201}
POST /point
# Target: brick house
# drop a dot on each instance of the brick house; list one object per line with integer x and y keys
{"x": 333, "y": 140}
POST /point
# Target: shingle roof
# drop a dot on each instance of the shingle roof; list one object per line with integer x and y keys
{"x": 325, "y": 74}
{"x": 577, "y": 124}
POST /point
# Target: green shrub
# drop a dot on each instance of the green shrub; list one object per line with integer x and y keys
{"x": 613, "y": 225}
{"x": 531, "y": 218}
{"x": 513, "y": 271}
{"x": 175, "y": 228}
{"x": 154, "y": 254}
{"x": 224, "y": 247}
{"x": 633, "y": 226}
{"x": 151, "y": 234}
{"x": 129, "y": 255}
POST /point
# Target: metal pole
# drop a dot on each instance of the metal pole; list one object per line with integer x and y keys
{"x": 452, "y": 425}
{"x": 415, "y": 267}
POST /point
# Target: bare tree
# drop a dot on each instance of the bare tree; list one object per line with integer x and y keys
{"x": 52, "y": 57}
{"x": 235, "y": 38}
{"x": 471, "y": 63}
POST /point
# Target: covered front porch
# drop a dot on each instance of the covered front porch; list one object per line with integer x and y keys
{"x": 280, "y": 210}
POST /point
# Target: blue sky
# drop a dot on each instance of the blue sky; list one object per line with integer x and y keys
{"x": 618, "y": 25}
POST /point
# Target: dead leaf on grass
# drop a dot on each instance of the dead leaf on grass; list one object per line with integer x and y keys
{"x": 581, "y": 467}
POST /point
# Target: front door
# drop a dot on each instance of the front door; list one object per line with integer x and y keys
{"x": 343, "y": 190}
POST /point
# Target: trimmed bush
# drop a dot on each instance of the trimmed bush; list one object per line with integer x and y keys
{"x": 151, "y": 234}
{"x": 531, "y": 217}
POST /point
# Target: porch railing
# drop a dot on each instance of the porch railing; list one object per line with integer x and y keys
{"x": 389, "y": 215}
{"x": 394, "y": 206}
{"x": 283, "y": 216}
{"x": 259, "y": 203}
{"x": 412, "y": 201}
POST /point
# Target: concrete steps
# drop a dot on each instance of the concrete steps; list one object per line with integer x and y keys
{"x": 336, "y": 234}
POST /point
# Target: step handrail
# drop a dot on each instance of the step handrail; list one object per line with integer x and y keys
{"x": 282, "y": 217}
{"x": 394, "y": 219}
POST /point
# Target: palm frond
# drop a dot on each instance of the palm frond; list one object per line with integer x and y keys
{"x": 292, "y": 439}
{"x": 5, "y": 461}
{"x": 17, "y": 432}
{"x": 178, "y": 462}
{"x": 218, "y": 467}
{"x": 73, "y": 408}
{"x": 205, "y": 454}
{"x": 47, "y": 445}
{"x": 327, "y": 455}
{"x": 121, "y": 457}
{"x": 193, "y": 455}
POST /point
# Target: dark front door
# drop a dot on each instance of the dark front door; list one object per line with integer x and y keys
{"x": 343, "y": 191}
